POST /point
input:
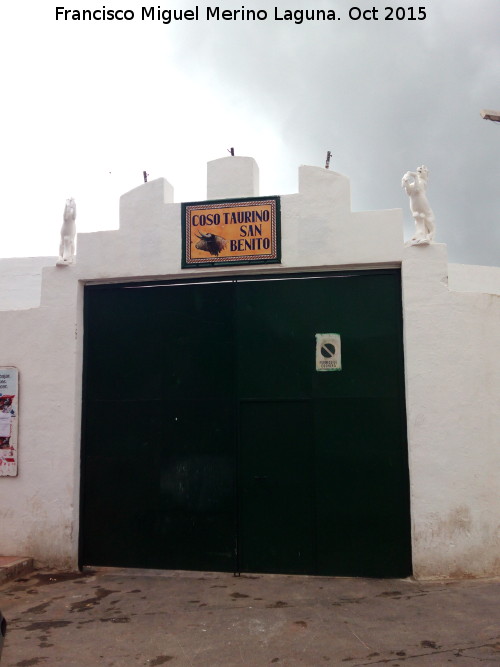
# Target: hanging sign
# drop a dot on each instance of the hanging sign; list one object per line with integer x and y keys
{"x": 328, "y": 357}
{"x": 8, "y": 421}
{"x": 237, "y": 231}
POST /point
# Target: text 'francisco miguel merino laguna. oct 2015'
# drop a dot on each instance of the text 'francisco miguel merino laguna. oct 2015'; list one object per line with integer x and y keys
{"x": 216, "y": 13}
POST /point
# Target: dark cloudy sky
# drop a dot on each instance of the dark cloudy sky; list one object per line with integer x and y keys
{"x": 89, "y": 105}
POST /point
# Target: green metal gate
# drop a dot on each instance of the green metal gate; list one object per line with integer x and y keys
{"x": 211, "y": 442}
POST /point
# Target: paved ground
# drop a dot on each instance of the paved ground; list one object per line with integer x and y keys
{"x": 151, "y": 618}
{"x": 13, "y": 566}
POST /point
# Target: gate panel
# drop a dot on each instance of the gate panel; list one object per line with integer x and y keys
{"x": 357, "y": 487}
{"x": 120, "y": 482}
{"x": 276, "y": 493}
{"x": 196, "y": 517}
{"x": 159, "y": 455}
{"x": 362, "y": 489}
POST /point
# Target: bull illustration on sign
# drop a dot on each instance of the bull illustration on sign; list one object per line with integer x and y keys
{"x": 210, "y": 243}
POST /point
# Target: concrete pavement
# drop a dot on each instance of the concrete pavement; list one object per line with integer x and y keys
{"x": 14, "y": 566}
{"x": 120, "y": 618}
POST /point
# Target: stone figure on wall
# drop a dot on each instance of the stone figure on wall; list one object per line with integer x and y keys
{"x": 68, "y": 233}
{"x": 415, "y": 184}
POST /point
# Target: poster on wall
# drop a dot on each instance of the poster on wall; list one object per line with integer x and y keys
{"x": 9, "y": 383}
{"x": 236, "y": 231}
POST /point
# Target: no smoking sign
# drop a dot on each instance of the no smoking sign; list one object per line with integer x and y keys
{"x": 328, "y": 355}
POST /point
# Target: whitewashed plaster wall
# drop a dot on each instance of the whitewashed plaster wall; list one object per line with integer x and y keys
{"x": 452, "y": 364}
{"x": 21, "y": 281}
{"x": 452, "y": 353}
{"x": 467, "y": 278}
{"x": 38, "y": 515}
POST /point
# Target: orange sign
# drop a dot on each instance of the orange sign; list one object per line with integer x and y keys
{"x": 238, "y": 231}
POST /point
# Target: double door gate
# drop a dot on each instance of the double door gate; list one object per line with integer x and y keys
{"x": 211, "y": 442}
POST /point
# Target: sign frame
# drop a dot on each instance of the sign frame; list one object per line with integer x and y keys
{"x": 9, "y": 409}
{"x": 272, "y": 257}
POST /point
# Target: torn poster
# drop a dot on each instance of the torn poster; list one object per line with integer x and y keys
{"x": 9, "y": 389}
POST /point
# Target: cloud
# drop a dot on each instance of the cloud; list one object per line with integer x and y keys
{"x": 384, "y": 97}
{"x": 84, "y": 100}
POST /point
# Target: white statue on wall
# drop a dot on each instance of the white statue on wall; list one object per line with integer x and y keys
{"x": 68, "y": 233}
{"x": 415, "y": 184}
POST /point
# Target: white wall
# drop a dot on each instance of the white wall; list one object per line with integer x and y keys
{"x": 466, "y": 278}
{"x": 451, "y": 356}
{"x": 37, "y": 508}
{"x": 452, "y": 342}
{"x": 21, "y": 282}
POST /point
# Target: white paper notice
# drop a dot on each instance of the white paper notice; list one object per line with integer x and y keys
{"x": 328, "y": 357}
{"x": 5, "y": 425}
